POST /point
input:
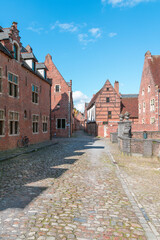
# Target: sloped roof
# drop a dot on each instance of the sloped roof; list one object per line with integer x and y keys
{"x": 40, "y": 66}
{"x": 5, "y": 50}
{"x": 94, "y": 99}
{"x": 129, "y": 95}
{"x": 27, "y": 55}
{"x": 154, "y": 63}
{"x": 130, "y": 105}
{"x": 5, "y": 33}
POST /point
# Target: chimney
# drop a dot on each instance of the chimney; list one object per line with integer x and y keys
{"x": 29, "y": 49}
{"x": 116, "y": 86}
{"x": 70, "y": 83}
{"x": 14, "y": 25}
{"x": 148, "y": 55}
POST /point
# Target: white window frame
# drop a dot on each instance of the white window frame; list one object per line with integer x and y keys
{"x": 139, "y": 108}
{"x": 142, "y": 92}
{"x": 35, "y": 121}
{"x": 59, "y": 88}
{"x": 14, "y": 120}
{"x": 144, "y": 107}
{"x": 152, "y": 105}
{"x": 152, "y": 120}
{"x": 13, "y": 84}
{"x": 149, "y": 88}
{"x": 143, "y": 121}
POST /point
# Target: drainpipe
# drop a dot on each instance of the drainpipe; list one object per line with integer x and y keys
{"x": 50, "y": 116}
{"x": 69, "y": 115}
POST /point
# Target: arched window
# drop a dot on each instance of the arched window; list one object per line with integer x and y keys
{"x": 15, "y": 49}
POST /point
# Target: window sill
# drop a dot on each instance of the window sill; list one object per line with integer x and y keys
{"x": 13, "y": 135}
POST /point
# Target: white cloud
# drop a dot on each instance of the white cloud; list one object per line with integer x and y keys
{"x": 91, "y": 36}
{"x": 95, "y": 32}
{"x": 79, "y": 99}
{"x": 112, "y": 34}
{"x": 125, "y": 3}
{"x": 66, "y": 27}
{"x": 84, "y": 38}
{"x": 34, "y": 28}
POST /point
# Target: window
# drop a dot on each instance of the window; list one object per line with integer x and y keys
{"x": 143, "y": 92}
{"x": 13, "y": 85}
{"x": 15, "y": 49}
{"x": 57, "y": 88}
{"x": 34, "y": 94}
{"x": 2, "y": 123}
{"x": 144, "y": 106}
{"x": 44, "y": 123}
{"x": 107, "y": 99}
{"x": 107, "y": 89}
{"x": 13, "y": 123}
{"x": 149, "y": 88}
{"x": 35, "y": 123}
{"x": 152, "y": 105}
{"x": 109, "y": 114}
{"x": 139, "y": 108}
{"x": 143, "y": 121}
{"x": 152, "y": 120}
{"x": 61, "y": 123}
{"x": 33, "y": 65}
{"x": 0, "y": 79}
{"x": 25, "y": 114}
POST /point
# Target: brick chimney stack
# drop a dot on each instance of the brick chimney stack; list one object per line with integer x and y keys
{"x": 148, "y": 55}
{"x": 14, "y": 25}
{"x": 116, "y": 86}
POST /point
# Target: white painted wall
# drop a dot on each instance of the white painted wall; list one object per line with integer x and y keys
{"x": 91, "y": 114}
{"x": 41, "y": 71}
{"x": 29, "y": 62}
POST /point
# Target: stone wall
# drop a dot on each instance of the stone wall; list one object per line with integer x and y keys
{"x": 145, "y": 147}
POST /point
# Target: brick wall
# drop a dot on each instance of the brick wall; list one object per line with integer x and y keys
{"x": 61, "y": 102}
{"x": 150, "y": 135}
{"x": 23, "y": 103}
{"x": 145, "y": 96}
{"x": 92, "y": 128}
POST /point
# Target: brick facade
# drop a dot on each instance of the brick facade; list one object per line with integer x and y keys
{"x": 149, "y": 94}
{"x": 61, "y": 101}
{"x": 17, "y": 108}
{"x": 106, "y": 106}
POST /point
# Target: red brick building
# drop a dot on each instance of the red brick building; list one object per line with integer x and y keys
{"x": 149, "y": 95}
{"x": 61, "y": 101}
{"x": 79, "y": 121}
{"x": 105, "y": 107}
{"x": 24, "y": 92}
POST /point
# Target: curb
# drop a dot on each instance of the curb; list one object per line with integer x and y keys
{"x": 26, "y": 152}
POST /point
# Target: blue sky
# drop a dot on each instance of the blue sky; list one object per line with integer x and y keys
{"x": 90, "y": 40}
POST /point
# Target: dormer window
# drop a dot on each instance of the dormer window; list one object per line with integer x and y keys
{"x": 15, "y": 49}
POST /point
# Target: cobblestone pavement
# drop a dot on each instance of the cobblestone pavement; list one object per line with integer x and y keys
{"x": 143, "y": 177}
{"x": 67, "y": 191}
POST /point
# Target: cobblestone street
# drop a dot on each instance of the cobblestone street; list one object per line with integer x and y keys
{"x": 66, "y": 191}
